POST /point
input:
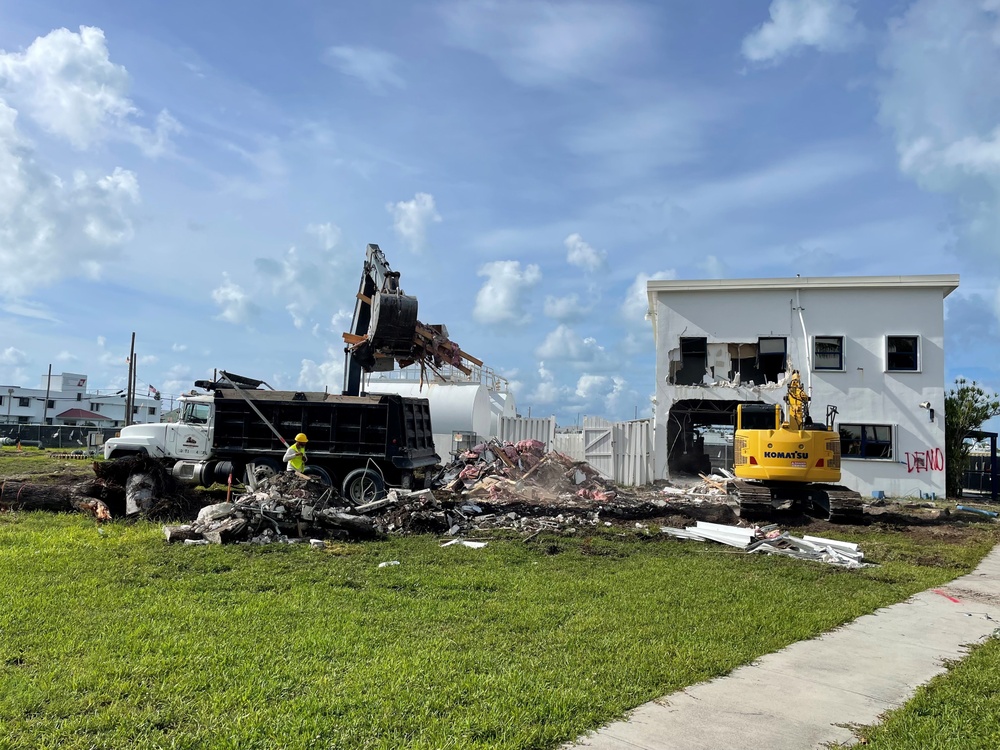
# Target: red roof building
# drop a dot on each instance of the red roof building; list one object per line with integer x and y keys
{"x": 75, "y": 415}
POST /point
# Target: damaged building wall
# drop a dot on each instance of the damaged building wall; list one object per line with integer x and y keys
{"x": 871, "y": 346}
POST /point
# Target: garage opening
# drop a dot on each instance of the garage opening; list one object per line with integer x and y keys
{"x": 700, "y": 436}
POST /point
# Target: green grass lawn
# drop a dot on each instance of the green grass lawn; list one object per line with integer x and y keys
{"x": 117, "y": 640}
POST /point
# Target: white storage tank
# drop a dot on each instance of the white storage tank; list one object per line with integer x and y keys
{"x": 455, "y": 407}
{"x": 501, "y": 405}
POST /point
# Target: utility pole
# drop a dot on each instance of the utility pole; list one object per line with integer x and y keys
{"x": 48, "y": 388}
{"x": 128, "y": 387}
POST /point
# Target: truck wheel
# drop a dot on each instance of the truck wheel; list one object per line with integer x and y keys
{"x": 262, "y": 468}
{"x": 320, "y": 473}
{"x": 363, "y": 486}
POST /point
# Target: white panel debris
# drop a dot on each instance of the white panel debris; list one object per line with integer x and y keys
{"x": 772, "y": 541}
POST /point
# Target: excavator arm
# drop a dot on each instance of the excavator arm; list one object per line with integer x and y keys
{"x": 385, "y": 329}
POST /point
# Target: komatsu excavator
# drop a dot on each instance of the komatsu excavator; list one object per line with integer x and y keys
{"x": 779, "y": 463}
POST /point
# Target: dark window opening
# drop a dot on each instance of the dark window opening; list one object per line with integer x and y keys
{"x": 828, "y": 353}
{"x": 22, "y": 420}
{"x": 694, "y": 360}
{"x": 50, "y": 404}
{"x": 902, "y": 353}
{"x": 23, "y": 401}
{"x": 772, "y": 359}
{"x": 865, "y": 440}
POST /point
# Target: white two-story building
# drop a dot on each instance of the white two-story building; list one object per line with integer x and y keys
{"x": 64, "y": 399}
{"x": 871, "y": 346}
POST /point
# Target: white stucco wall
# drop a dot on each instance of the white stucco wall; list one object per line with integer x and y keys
{"x": 864, "y": 310}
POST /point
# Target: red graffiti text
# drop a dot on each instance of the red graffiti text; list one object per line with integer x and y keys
{"x": 929, "y": 460}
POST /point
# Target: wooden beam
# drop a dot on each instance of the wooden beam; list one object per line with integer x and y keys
{"x": 353, "y": 339}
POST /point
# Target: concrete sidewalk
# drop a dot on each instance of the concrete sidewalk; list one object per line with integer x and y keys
{"x": 805, "y": 695}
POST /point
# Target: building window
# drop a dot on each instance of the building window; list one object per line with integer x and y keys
{"x": 48, "y": 420}
{"x": 902, "y": 353}
{"x": 50, "y": 404}
{"x": 22, "y": 420}
{"x": 694, "y": 361}
{"x": 79, "y": 397}
{"x": 94, "y": 406}
{"x": 152, "y": 411}
{"x": 771, "y": 357}
{"x": 135, "y": 409}
{"x": 828, "y": 353}
{"x": 865, "y": 440}
{"x": 23, "y": 401}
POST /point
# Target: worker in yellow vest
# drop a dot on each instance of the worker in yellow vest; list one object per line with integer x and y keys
{"x": 295, "y": 456}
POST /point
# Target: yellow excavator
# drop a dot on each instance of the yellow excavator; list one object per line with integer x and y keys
{"x": 779, "y": 463}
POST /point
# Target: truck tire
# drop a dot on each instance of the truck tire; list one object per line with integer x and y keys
{"x": 363, "y": 486}
{"x": 263, "y": 468}
{"x": 320, "y": 473}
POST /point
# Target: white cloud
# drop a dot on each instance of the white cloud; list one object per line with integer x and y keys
{"x": 827, "y": 25}
{"x": 13, "y": 356}
{"x": 66, "y": 82}
{"x": 69, "y": 228}
{"x": 410, "y": 219}
{"x": 784, "y": 181}
{"x": 66, "y": 356}
{"x": 500, "y": 299}
{"x": 589, "y": 387}
{"x": 539, "y": 43}
{"x": 547, "y": 391}
{"x": 236, "y": 305}
{"x": 712, "y": 267}
{"x": 664, "y": 129}
{"x": 374, "y": 67}
{"x": 177, "y": 348}
{"x": 636, "y": 302}
{"x": 945, "y": 120}
{"x": 318, "y": 376}
{"x": 621, "y": 401}
{"x": 302, "y": 281}
{"x": 564, "y": 309}
{"x": 582, "y": 255}
{"x": 565, "y": 346}
{"x": 328, "y": 234}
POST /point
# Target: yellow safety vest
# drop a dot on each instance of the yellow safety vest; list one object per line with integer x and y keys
{"x": 298, "y": 463}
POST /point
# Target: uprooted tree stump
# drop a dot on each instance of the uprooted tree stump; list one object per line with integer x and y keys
{"x": 137, "y": 485}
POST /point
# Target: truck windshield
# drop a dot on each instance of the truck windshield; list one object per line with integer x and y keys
{"x": 196, "y": 413}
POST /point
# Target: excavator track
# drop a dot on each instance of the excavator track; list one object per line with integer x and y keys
{"x": 833, "y": 502}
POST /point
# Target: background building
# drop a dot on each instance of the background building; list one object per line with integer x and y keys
{"x": 65, "y": 400}
{"x": 872, "y": 346}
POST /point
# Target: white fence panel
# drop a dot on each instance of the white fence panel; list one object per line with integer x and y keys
{"x": 633, "y": 444}
{"x": 543, "y": 429}
{"x": 598, "y": 445}
{"x": 570, "y": 444}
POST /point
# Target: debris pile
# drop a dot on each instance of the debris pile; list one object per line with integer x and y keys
{"x": 515, "y": 487}
{"x": 523, "y": 471}
{"x": 771, "y": 540}
{"x": 282, "y": 508}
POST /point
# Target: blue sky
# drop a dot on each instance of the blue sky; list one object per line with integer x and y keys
{"x": 207, "y": 175}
